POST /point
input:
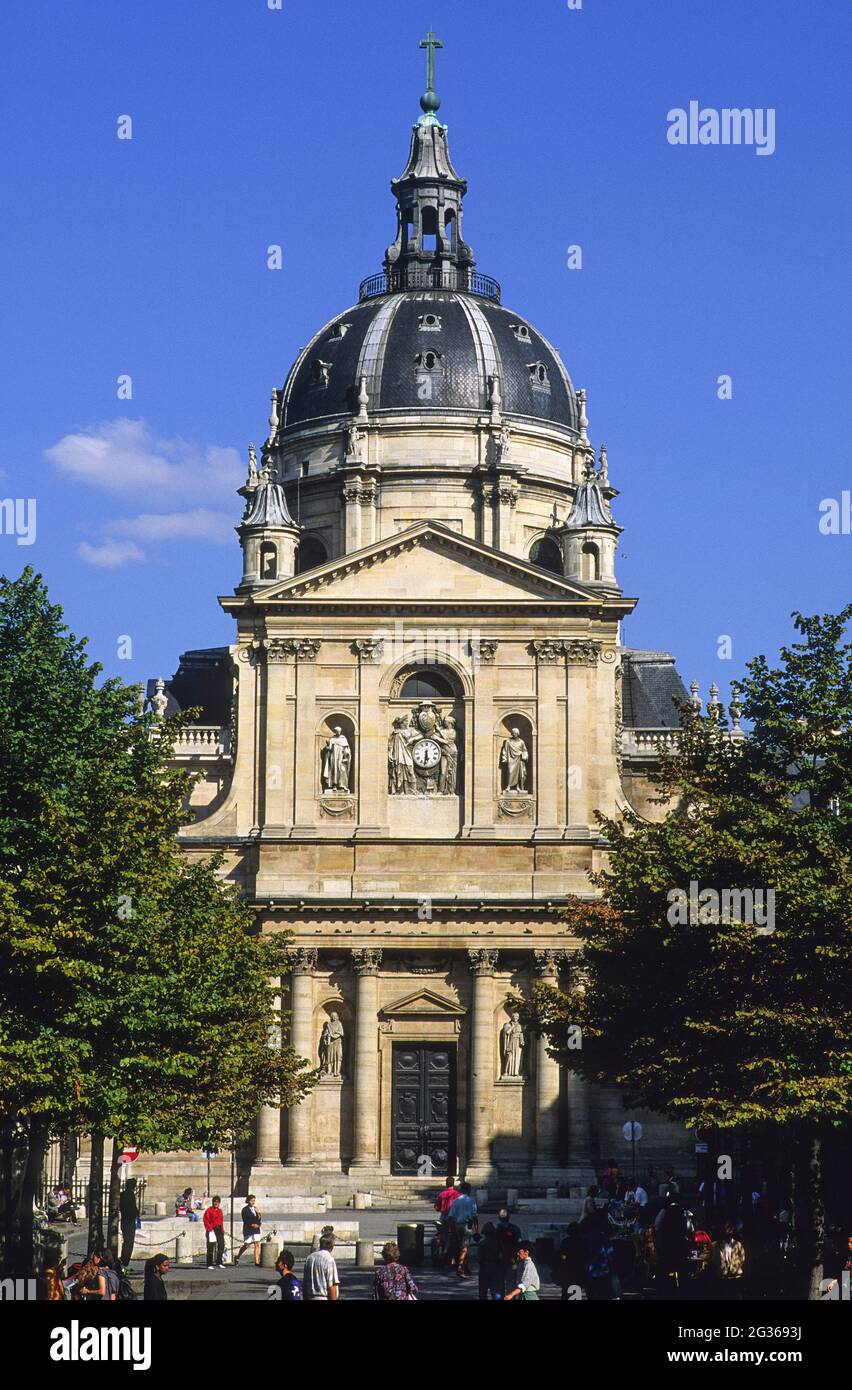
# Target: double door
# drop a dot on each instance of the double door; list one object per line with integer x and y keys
{"x": 423, "y": 1122}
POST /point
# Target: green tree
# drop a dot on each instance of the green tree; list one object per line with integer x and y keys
{"x": 137, "y": 1000}
{"x": 714, "y": 1018}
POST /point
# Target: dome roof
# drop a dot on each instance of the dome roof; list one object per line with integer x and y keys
{"x": 429, "y": 351}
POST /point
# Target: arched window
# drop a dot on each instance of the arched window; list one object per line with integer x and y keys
{"x": 429, "y": 230}
{"x": 450, "y": 228}
{"x": 311, "y": 553}
{"x": 546, "y": 554}
{"x": 591, "y": 563}
{"x": 427, "y": 685}
{"x": 268, "y": 560}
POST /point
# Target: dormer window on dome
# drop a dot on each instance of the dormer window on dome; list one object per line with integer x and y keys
{"x": 339, "y": 332}
{"x": 539, "y": 376}
{"x": 320, "y": 372}
{"x": 429, "y": 323}
{"x": 428, "y": 361}
{"x": 521, "y": 332}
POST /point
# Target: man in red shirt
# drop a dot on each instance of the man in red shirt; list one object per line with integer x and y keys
{"x": 445, "y": 1226}
{"x": 214, "y": 1225}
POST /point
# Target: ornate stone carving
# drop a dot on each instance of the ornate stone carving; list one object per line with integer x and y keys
{"x": 423, "y": 753}
{"x": 303, "y": 960}
{"x": 252, "y": 654}
{"x": 546, "y": 963}
{"x": 483, "y": 650}
{"x": 482, "y": 961}
{"x": 515, "y": 807}
{"x": 548, "y": 652}
{"x": 366, "y": 960}
{"x": 331, "y": 1047}
{"x": 369, "y": 648}
{"x": 159, "y": 699}
{"x": 508, "y": 495}
{"x": 582, "y": 652}
{"x": 279, "y": 650}
{"x": 337, "y": 807}
{"x": 336, "y": 762}
{"x": 512, "y": 1045}
{"x": 514, "y": 763}
{"x": 420, "y": 963}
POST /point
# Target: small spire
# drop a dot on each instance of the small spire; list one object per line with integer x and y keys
{"x": 714, "y": 704}
{"x": 363, "y": 400}
{"x": 430, "y": 101}
{"x": 584, "y": 422}
{"x": 736, "y": 710}
{"x": 695, "y": 698}
{"x": 603, "y": 467}
{"x": 273, "y": 418}
{"x": 495, "y": 400}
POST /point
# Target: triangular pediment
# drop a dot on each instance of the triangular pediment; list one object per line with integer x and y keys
{"x": 423, "y": 1003}
{"x": 428, "y": 562}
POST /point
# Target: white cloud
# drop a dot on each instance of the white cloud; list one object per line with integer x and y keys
{"x": 125, "y": 456}
{"x": 199, "y": 524}
{"x": 111, "y": 554}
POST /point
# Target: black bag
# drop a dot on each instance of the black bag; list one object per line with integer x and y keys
{"x": 126, "y": 1291}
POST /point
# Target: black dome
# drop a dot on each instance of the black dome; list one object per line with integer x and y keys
{"x": 429, "y": 351}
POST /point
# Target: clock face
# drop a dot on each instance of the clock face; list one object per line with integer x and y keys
{"x": 426, "y": 754}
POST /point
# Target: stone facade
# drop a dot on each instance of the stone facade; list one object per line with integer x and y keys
{"x": 427, "y": 702}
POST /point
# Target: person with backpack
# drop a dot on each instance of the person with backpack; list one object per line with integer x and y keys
{"x": 289, "y": 1287}
{"x": 111, "y": 1275}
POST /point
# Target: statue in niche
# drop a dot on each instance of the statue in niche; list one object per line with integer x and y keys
{"x": 423, "y": 754}
{"x": 336, "y": 762}
{"x": 331, "y": 1047}
{"x": 513, "y": 1045}
{"x": 402, "y": 780}
{"x": 445, "y": 737}
{"x": 514, "y": 757}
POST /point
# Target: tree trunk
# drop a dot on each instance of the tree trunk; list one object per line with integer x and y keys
{"x": 8, "y": 1192}
{"x": 96, "y": 1193}
{"x": 114, "y": 1194}
{"x": 810, "y": 1212}
{"x": 36, "y": 1148}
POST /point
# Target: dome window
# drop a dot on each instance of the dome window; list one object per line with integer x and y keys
{"x": 521, "y": 332}
{"x": 320, "y": 372}
{"x": 339, "y": 332}
{"x": 428, "y": 361}
{"x": 546, "y": 553}
{"x": 539, "y": 376}
{"x": 430, "y": 323}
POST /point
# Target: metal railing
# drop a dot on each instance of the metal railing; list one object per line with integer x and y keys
{"x": 425, "y": 278}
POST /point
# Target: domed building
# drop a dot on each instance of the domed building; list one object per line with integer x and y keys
{"x": 425, "y": 704}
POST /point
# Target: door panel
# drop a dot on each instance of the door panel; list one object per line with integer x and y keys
{"x": 423, "y": 1117}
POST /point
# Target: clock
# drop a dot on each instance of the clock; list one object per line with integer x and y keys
{"x": 426, "y": 754}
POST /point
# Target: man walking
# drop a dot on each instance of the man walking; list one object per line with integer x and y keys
{"x": 322, "y": 1282}
{"x": 528, "y": 1282}
{"x": 465, "y": 1222}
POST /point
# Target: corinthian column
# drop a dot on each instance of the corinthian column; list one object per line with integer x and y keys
{"x": 546, "y": 966}
{"x": 269, "y": 1119}
{"x": 303, "y": 961}
{"x": 365, "y": 1148}
{"x": 481, "y": 1095}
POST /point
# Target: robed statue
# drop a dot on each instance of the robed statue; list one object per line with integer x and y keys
{"x": 514, "y": 757}
{"x": 331, "y": 1047}
{"x": 336, "y": 763}
{"x": 513, "y": 1046}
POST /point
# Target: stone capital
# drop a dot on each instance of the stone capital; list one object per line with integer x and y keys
{"x": 303, "y": 960}
{"x": 366, "y": 960}
{"x": 369, "y": 648}
{"x": 482, "y": 962}
{"x": 548, "y": 652}
{"x": 546, "y": 963}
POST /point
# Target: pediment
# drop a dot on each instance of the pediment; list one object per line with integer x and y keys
{"x": 423, "y": 1003}
{"x": 428, "y": 562}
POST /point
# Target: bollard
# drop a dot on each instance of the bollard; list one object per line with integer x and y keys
{"x": 159, "y": 1208}
{"x": 512, "y": 1198}
{"x": 363, "y": 1200}
{"x": 183, "y": 1254}
{"x": 269, "y": 1254}
{"x": 364, "y": 1258}
{"x": 551, "y": 1194}
{"x": 481, "y": 1195}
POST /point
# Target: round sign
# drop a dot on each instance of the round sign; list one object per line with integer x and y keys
{"x": 426, "y": 754}
{"x": 130, "y": 1154}
{"x": 632, "y": 1130}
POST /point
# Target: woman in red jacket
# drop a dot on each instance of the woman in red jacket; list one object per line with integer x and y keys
{"x": 214, "y": 1225}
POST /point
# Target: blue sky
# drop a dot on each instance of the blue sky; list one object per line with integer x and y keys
{"x": 254, "y": 126}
